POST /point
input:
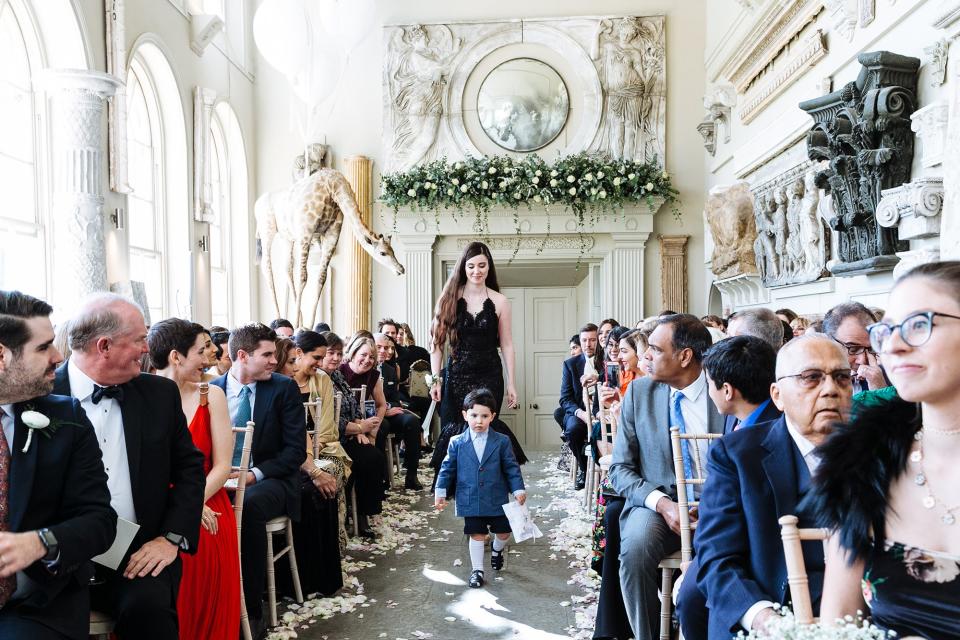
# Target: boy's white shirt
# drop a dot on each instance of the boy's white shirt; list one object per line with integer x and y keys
{"x": 479, "y": 445}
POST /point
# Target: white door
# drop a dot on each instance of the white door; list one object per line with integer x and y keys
{"x": 543, "y": 321}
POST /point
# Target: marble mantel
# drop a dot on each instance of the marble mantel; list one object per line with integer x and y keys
{"x": 616, "y": 241}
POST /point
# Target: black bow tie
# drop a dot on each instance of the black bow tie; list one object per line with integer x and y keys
{"x": 113, "y": 391}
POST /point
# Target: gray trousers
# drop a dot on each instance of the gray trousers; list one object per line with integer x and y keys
{"x": 645, "y": 539}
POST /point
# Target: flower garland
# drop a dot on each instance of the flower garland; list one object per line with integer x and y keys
{"x": 580, "y": 182}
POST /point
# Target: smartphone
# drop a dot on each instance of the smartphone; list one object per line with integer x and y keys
{"x": 613, "y": 374}
{"x": 370, "y": 408}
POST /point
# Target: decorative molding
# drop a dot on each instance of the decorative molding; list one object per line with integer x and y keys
{"x": 939, "y": 53}
{"x": 930, "y": 125}
{"x": 708, "y": 131}
{"x": 742, "y": 291}
{"x": 813, "y": 50}
{"x": 914, "y": 208}
{"x": 536, "y": 242}
{"x": 948, "y": 17}
{"x": 844, "y": 16}
{"x": 772, "y": 31}
{"x": 911, "y": 259}
{"x": 203, "y": 101}
{"x": 673, "y": 272}
{"x": 204, "y": 27}
{"x": 867, "y": 12}
{"x": 117, "y": 105}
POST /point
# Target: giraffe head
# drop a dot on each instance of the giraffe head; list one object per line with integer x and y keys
{"x": 382, "y": 252}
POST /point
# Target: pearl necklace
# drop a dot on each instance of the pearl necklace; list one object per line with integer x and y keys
{"x": 930, "y": 500}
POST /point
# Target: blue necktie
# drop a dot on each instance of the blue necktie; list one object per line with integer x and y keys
{"x": 676, "y": 419}
{"x": 244, "y": 413}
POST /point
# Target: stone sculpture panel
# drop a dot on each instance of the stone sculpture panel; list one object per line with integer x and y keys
{"x": 729, "y": 213}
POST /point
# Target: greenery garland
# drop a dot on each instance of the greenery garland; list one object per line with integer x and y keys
{"x": 580, "y": 182}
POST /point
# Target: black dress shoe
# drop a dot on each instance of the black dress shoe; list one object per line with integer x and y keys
{"x": 476, "y": 579}
{"x": 368, "y": 533}
{"x": 496, "y": 559}
{"x": 581, "y": 480}
{"x": 413, "y": 484}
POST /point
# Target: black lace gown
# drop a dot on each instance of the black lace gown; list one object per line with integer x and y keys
{"x": 474, "y": 363}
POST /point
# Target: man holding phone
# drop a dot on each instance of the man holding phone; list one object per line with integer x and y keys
{"x": 573, "y": 381}
{"x": 847, "y": 324}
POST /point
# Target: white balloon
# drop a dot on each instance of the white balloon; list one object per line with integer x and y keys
{"x": 350, "y": 20}
{"x": 281, "y": 32}
{"x": 316, "y": 81}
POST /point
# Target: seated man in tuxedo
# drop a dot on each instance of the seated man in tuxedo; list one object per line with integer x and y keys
{"x": 154, "y": 472}
{"x": 53, "y": 496}
{"x": 272, "y": 401}
{"x": 575, "y": 416}
{"x": 673, "y": 393}
{"x": 754, "y": 477}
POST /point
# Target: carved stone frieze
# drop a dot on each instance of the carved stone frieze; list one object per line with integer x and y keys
{"x": 930, "y": 125}
{"x": 792, "y": 244}
{"x": 811, "y": 51}
{"x": 729, "y": 214}
{"x": 913, "y": 208}
{"x": 939, "y": 52}
{"x": 843, "y": 15}
{"x": 863, "y": 133}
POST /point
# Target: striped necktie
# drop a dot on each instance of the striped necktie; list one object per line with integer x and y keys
{"x": 244, "y": 414}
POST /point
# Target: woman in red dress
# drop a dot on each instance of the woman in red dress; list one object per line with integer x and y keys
{"x": 208, "y": 603}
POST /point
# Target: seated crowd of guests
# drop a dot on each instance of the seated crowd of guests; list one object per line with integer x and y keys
{"x": 144, "y": 435}
{"x": 848, "y": 422}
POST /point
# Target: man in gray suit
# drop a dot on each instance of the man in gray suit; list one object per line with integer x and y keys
{"x": 674, "y": 393}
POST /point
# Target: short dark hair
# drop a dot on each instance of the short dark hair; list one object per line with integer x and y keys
{"x": 587, "y": 328}
{"x": 610, "y": 321}
{"x": 333, "y": 341}
{"x": 688, "y": 333}
{"x": 483, "y": 397}
{"x": 248, "y": 338}
{"x": 787, "y": 331}
{"x": 284, "y": 347}
{"x": 842, "y": 311}
{"x": 790, "y": 313}
{"x": 309, "y": 341}
{"x": 387, "y": 321}
{"x": 617, "y": 334}
{"x": 281, "y": 322}
{"x": 169, "y": 335}
{"x": 667, "y": 312}
{"x": 575, "y": 339}
{"x": 748, "y": 363}
{"x": 321, "y": 327}
{"x": 15, "y": 309}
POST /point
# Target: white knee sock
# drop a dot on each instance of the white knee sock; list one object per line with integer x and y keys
{"x": 476, "y": 554}
{"x": 498, "y": 544}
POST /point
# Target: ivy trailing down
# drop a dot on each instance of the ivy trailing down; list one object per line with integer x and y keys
{"x": 584, "y": 183}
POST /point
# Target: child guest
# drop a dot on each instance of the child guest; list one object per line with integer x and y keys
{"x": 481, "y": 466}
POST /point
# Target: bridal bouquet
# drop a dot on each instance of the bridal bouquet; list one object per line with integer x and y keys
{"x": 785, "y": 627}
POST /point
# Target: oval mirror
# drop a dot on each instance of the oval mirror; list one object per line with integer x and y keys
{"x": 523, "y": 104}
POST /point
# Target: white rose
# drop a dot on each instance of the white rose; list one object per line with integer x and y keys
{"x": 649, "y": 186}
{"x": 484, "y": 184}
{"x": 450, "y": 191}
{"x": 571, "y": 179}
{"x": 632, "y": 176}
{"x": 554, "y": 173}
{"x": 599, "y": 175}
{"x": 588, "y": 177}
{"x": 537, "y": 198}
{"x": 464, "y": 188}
{"x": 665, "y": 175}
{"x": 617, "y": 181}
{"x": 553, "y": 183}
{"x": 536, "y": 180}
{"x": 455, "y": 181}
{"x": 411, "y": 192}
{"x": 502, "y": 185}
{"x": 593, "y": 191}
{"x": 538, "y": 172}
{"x": 573, "y": 191}
{"x": 427, "y": 184}
{"x": 459, "y": 165}
{"x": 517, "y": 195}
{"x": 603, "y": 194}
{"x": 492, "y": 170}
{"x": 35, "y": 419}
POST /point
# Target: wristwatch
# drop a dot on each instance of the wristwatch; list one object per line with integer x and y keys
{"x": 176, "y": 540}
{"x": 50, "y": 544}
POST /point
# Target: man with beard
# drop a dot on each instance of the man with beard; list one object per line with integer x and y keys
{"x": 54, "y": 503}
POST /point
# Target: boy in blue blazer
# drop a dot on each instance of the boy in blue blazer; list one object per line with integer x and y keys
{"x": 481, "y": 465}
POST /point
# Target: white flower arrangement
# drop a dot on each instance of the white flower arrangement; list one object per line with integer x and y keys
{"x": 785, "y": 627}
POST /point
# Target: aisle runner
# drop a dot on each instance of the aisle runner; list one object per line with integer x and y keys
{"x": 555, "y": 505}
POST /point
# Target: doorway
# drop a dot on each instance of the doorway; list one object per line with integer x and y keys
{"x": 542, "y": 321}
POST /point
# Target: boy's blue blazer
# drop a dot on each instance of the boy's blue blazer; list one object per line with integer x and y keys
{"x": 482, "y": 486}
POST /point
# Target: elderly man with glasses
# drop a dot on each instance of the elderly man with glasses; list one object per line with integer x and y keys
{"x": 754, "y": 477}
{"x": 847, "y": 324}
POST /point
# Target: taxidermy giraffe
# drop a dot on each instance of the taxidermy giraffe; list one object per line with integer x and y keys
{"x": 311, "y": 212}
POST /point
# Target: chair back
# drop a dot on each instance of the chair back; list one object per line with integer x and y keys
{"x": 608, "y": 431}
{"x": 240, "y": 489}
{"x": 311, "y": 410}
{"x": 337, "y": 402}
{"x": 698, "y": 443}
{"x": 792, "y": 537}
{"x": 419, "y": 371}
{"x": 361, "y": 394}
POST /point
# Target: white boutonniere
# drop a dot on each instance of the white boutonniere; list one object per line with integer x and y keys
{"x": 36, "y": 421}
{"x": 431, "y": 380}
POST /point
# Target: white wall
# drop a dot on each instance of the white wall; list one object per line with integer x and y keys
{"x": 352, "y": 124}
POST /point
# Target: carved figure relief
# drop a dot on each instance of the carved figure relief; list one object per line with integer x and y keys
{"x": 863, "y": 132}
{"x": 729, "y": 213}
{"x": 310, "y": 213}
{"x": 417, "y": 73}
{"x": 793, "y": 242}
{"x": 630, "y": 54}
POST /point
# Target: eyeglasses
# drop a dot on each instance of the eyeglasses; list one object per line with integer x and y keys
{"x": 854, "y": 349}
{"x": 915, "y": 330}
{"x": 813, "y": 378}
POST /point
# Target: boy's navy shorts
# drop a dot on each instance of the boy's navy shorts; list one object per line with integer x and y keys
{"x": 483, "y": 524}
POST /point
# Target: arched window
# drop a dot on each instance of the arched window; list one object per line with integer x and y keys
{"x": 145, "y": 218}
{"x": 230, "y": 280}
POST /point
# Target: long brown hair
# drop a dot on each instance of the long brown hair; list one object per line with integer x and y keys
{"x": 444, "y": 325}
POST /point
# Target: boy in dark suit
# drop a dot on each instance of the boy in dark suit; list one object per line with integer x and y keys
{"x": 481, "y": 465}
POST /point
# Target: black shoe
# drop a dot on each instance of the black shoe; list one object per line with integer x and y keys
{"x": 368, "y": 533}
{"x": 476, "y": 579}
{"x": 581, "y": 480}
{"x": 496, "y": 559}
{"x": 413, "y": 484}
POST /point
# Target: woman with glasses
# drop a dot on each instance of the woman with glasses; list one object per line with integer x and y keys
{"x": 886, "y": 484}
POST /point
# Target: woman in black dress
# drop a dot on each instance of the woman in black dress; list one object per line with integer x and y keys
{"x": 473, "y": 317}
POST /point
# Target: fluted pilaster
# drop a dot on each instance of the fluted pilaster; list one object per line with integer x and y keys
{"x": 673, "y": 272}
{"x": 624, "y": 267}
{"x": 418, "y": 280}
{"x": 360, "y": 175}
{"x": 77, "y": 99}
